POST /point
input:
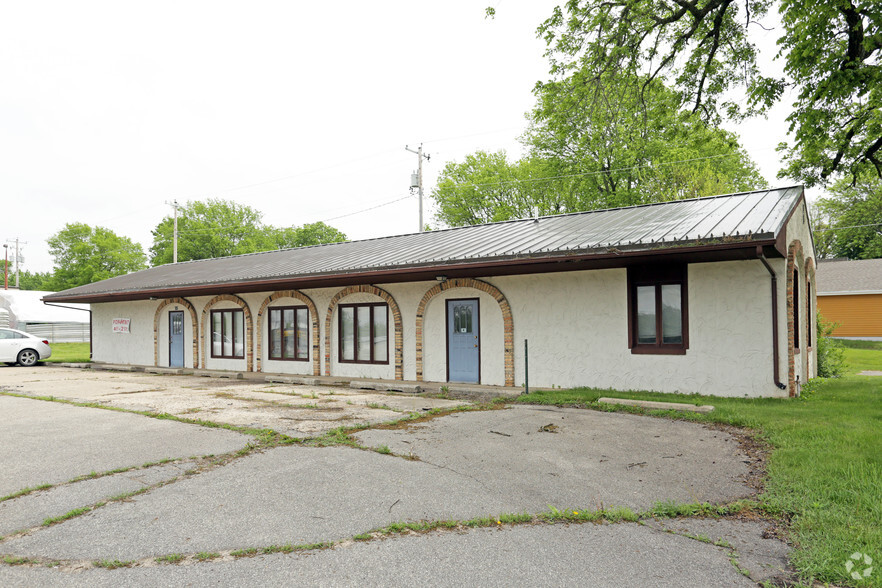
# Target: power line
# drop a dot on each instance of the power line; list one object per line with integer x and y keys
{"x": 850, "y": 227}
{"x": 381, "y": 205}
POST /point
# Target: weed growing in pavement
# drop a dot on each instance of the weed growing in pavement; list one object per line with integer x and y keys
{"x": 25, "y": 491}
{"x": 17, "y": 561}
{"x": 172, "y": 558}
{"x": 384, "y": 449}
{"x": 70, "y": 514}
{"x": 206, "y": 555}
{"x": 112, "y": 564}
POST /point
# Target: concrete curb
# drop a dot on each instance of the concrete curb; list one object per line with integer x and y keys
{"x": 654, "y": 405}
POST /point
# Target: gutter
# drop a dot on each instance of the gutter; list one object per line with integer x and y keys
{"x": 762, "y": 257}
{"x": 89, "y": 310}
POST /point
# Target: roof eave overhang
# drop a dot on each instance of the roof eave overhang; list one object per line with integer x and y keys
{"x": 605, "y": 259}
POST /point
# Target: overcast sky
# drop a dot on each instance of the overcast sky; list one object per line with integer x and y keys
{"x": 300, "y": 110}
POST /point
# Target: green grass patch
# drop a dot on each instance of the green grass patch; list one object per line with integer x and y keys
{"x": 69, "y": 353}
{"x": 824, "y": 474}
{"x": 68, "y": 515}
{"x": 11, "y": 560}
{"x": 859, "y": 344}
{"x": 112, "y": 564}
{"x": 206, "y": 555}
{"x": 25, "y": 491}
{"x": 251, "y": 551}
{"x": 170, "y": 559}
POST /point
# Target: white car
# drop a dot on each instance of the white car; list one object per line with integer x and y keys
{"x": 22, "y": 348}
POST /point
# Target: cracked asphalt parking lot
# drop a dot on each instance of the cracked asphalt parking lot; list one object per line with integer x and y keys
{"x": 489, "y": 495}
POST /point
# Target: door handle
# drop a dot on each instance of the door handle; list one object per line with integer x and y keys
{"x": 476, "y": 344}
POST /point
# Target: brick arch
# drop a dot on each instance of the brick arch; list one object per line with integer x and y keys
{"x": 795, "y": 260}
{"x": 313, "y": 313}
{"x": 193, "y": 318}
{"x": 249, "y": 337}
{"x": 508, "y": 324}
{"x": 396, "y": 315}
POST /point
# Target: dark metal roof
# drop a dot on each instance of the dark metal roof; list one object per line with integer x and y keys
{"x": 853, "y": 277}
{"x": 732, "y": 220}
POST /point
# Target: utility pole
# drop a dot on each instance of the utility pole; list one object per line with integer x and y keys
{"x": 420, "y": 156}
{"x": 174, "y": 204}
{"x": 17, "y": 257}
{"x": 5, "y": 266}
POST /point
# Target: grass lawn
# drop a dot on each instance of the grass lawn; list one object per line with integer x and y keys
{"x": 69, "y": 353}
{"x": 824, "y": 475}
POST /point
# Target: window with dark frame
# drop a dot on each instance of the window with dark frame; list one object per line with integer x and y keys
{"x": 809, "y": 313}
{"x": 796, "y": 324}
{"x": 363, "y": 333}
{"x": 289, "y": 333}
{"x": 657, "y": 311}
{"x": 228, "y": 334}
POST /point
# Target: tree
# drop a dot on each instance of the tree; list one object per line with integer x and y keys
{"x": 83, "y": 255}
{"x": 219, "y": 228}
{"x": 612, "y": 145}
{"x": 214, "y": 228}
{"x": 32, "y": 280}
{"x": 309, "y": 234}
{"x": 595, "y": 144}
{"x": 487, "y": 187}
{"x": 704, "y": 48}
{"x": 850, "y": 219}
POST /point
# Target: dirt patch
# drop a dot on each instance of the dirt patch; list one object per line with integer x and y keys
{"x": 298, "y": 411}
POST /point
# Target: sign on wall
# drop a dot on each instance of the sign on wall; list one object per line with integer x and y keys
{"x": 121, "y": 325}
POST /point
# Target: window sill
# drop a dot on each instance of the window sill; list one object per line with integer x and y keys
{"x": 287, "y": 359}
{"x": 658, "y": 351}
{"x": 363, "y": 362}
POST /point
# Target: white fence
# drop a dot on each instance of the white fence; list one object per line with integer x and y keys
{"x": 59, "y": 332}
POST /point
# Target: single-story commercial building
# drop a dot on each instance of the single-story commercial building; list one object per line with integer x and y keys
{"x": 710, "y": 295}
{"x": 850, "y": 295}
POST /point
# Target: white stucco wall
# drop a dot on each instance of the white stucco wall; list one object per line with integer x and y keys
{"x": 576, "y": 324}
{"x": 132, "y": 348}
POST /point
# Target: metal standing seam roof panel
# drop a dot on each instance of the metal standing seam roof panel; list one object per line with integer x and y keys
{"x": 550, "y": 237}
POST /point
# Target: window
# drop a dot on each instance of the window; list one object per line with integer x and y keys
{"x": 657, "y": 313}
{"x": 289, "y": 333}
{"x": 808, "y": 315}
{"x": 796, "y": 324}
{"x": 363, "y": 333}
{"x": 227, "y": 334}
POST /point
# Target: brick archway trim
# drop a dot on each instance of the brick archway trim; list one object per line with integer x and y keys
{"x": 249, "y": 335}
{"x": 507, "y": 323}
{"x": 193, "y": 318}
{"x": 396, "y": 315}
{"x": 313, "y": 314}
{"x": 795, "y": 260}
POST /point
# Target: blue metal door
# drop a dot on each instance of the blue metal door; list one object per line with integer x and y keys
{"x": 176, "y": 338}
{"x": 463, "y": 341}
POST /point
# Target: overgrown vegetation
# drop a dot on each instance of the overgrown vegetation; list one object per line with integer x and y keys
{"x": 825, "y": 470}
{"x": 830, "y": 355}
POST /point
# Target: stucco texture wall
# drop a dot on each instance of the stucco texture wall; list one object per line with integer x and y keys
{"x": 576, "y": 324}
{"x": 133, "y": 348}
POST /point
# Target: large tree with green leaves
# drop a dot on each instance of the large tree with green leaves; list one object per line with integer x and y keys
{"x": 706, "y": 50}
{"x": 83, "y": 254}
{"x": 596, "y": 144}
{"x": 848, "y": 222}
{"x": 219, "y": 228}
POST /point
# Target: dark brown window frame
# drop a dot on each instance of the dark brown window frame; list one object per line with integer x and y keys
{"x": 233, "y": 338}
{"x": 657, "y": 275}
{"x": 796, "y": 325}
{"x": 371, "y": 306}
{"x": 269, "y": 331}
{"x": 808, "y": 315}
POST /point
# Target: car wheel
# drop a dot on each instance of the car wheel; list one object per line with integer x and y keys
{"x": 27, "y": 357}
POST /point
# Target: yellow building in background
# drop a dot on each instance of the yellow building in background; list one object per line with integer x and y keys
{"x": 850, "y": 294}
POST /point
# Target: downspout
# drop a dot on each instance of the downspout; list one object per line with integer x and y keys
{"x": 89, "y": 310}
{"x": 762, "y": 257}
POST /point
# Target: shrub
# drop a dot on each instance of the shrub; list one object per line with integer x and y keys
{"x": 831, "y": 358}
